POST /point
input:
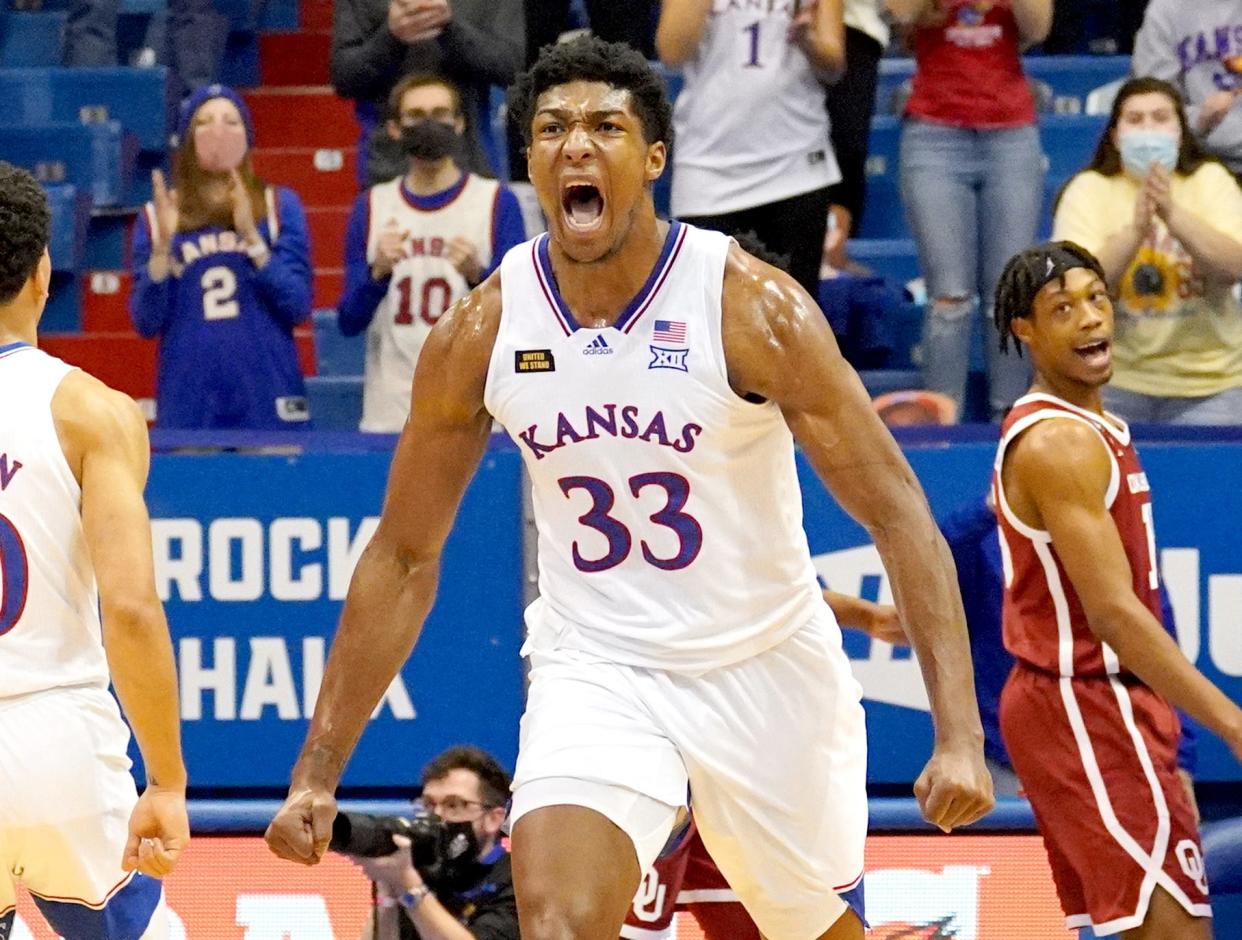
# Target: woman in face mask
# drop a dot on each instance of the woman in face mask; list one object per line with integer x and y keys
{"x": 222, "y": 274}
{"x": 1165, "y": 220}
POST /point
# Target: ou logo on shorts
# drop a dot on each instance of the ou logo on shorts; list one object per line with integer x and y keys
{"x": 1190, "y": 858}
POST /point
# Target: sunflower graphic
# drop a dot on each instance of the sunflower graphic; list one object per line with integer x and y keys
{"x": 1151, "y": 283}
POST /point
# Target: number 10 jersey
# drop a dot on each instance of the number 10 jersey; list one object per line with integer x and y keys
{"x": 668, "y": 508}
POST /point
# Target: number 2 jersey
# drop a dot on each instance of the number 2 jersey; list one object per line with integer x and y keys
{"x": 668, "y": 508}
{"x": 1044, "y": 622}
{"x": 49, "y": 607}
{"x": 227, "y": 356}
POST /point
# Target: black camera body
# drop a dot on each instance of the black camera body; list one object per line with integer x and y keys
{"x": 440, "y": 851}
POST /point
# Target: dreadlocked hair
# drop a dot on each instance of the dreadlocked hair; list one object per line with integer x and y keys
{"x": 1025, "y": 275}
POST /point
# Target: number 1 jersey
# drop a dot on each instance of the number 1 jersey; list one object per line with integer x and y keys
{"x": 668, "y": 508}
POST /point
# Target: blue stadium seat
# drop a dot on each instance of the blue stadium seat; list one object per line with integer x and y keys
{"x": 71, "y": 214}
{"x": 1073, "y": 77}
{"x": 884, "y": 215}
{"x": 1069, "y": 140}
{"x": 337, "y": 355}
{"x": 894, "y": 259}
{"x": 137, "y": 98}
{"x": 880, "y": 381}
{"x": 335, "y": 401}
{"x": 894, "y": 71}
{"x": 32, "y": 39}
{"x": 98, "y": 158}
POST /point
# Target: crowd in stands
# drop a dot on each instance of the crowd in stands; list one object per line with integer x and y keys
{"x": 775, "y": 107}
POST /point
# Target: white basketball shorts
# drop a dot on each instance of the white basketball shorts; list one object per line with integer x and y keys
{"x": 66, "y": 795}
{"x": 772, "y": 751}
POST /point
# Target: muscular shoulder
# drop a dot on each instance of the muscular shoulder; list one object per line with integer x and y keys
{"x": 1062, "y": 459}
{"x": 90, "y": 415}
{"x": 452, "y": 368}
{"x": 770, "y": 325}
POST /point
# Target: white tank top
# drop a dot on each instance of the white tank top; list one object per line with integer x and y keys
{"x": 750, "y": 123}
{"x": 668, "y": 508}
{"x": 424, "y": 284}
{"x": 49, "y": 606}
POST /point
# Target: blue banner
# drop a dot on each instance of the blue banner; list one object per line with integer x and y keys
{"x": 1198, "y": 510}
{"x": 254, "y": 554}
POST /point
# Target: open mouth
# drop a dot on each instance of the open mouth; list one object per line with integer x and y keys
{"x": 583, "y": 205}
{"x": 1096, "y": 353}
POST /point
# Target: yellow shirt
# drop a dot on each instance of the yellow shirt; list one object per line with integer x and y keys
{"x": 1178, "y": 334}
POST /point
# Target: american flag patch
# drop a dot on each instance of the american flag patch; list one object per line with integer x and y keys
{"x": 669, "y": 331}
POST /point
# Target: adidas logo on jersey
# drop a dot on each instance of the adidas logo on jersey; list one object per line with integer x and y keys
{"x": 598, "y": 347}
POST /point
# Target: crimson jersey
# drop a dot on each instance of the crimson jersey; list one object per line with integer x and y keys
{"x": 1044, "y": 622}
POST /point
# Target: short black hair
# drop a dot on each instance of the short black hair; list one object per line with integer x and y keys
{"x": 25, "y": 227}
{"x": 493, "y": 779}
{"x": 1025, "y": 275}
{"x": 591, "y": 59}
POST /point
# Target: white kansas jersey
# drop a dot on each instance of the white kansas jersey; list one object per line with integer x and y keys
{"x": 668, "y": 508}
{"x": 424, "y": 284}
{"x": 49, "y": 607}
{"x": 751, "y": 125}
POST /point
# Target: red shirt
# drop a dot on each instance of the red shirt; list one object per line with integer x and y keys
{"x": 969, "y": 71}
{"x": 1043, "y": 620}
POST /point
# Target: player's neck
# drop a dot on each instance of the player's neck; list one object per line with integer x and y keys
{"x": 1086, "y": 397}
{"x": 425, "y": 178}
{"x": 17, "y": 326}
{"x": 598, "y": 291}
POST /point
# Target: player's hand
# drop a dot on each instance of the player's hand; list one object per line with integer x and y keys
{"x": 243, "y": 212}
{"x": 955, "y": 788}
{"x": 395, "y": 874}
{"x": 159, "y": 830}
{"x": 464, "y": 256}
{"x": 1214, "y": 108}
{"x": 1188, "y": 783}
{"x": 302, "y": 827}
{"x": 884, "y": 623}
{"x": 166, "y": 213}
{"x": 388, "y": 252}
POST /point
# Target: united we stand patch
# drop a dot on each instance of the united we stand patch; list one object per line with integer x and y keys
{"x": 533, "y": 360}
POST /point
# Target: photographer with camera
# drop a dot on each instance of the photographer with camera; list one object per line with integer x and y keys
{"x": 1165, "y": 220}
{"x": 444, "y": 874}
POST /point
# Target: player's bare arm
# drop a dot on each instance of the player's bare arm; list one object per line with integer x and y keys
{"x": 1056, "y": 476}
{"x": 104, "y": 438}
{"x": 394, "y": 584}
{"x": 778, "y": 346}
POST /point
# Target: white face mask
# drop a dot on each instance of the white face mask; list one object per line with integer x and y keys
{"x": 1141, "y": 149}
{"x": 220, "y": 147}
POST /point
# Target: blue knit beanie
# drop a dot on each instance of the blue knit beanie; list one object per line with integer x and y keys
{"x": 201, "y": 97}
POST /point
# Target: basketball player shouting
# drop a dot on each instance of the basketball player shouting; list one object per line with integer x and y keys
{"x": 1085, "y": 714}
{"x": 75, "y": 542}
{"x": 651, "y": 374}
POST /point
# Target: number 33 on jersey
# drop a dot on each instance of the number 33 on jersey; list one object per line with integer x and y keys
{"x": 667, "y": 506}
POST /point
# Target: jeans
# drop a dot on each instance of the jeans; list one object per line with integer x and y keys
{"x": 973, "y": 200}
{"x": 1136, "y": 408}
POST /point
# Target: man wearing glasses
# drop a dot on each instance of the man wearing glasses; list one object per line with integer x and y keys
{"x": 469, "y": 791}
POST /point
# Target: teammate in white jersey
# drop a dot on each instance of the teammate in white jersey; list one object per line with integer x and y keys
{"x": 75, "y": 543}
{"x": 651, "y": 374}
{"x": 416, "y": 244}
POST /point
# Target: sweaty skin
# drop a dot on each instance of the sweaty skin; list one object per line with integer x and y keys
{"x": 777, "y": 345}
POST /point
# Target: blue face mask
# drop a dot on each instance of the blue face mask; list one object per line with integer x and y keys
{"x": 1140, "y": 149}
